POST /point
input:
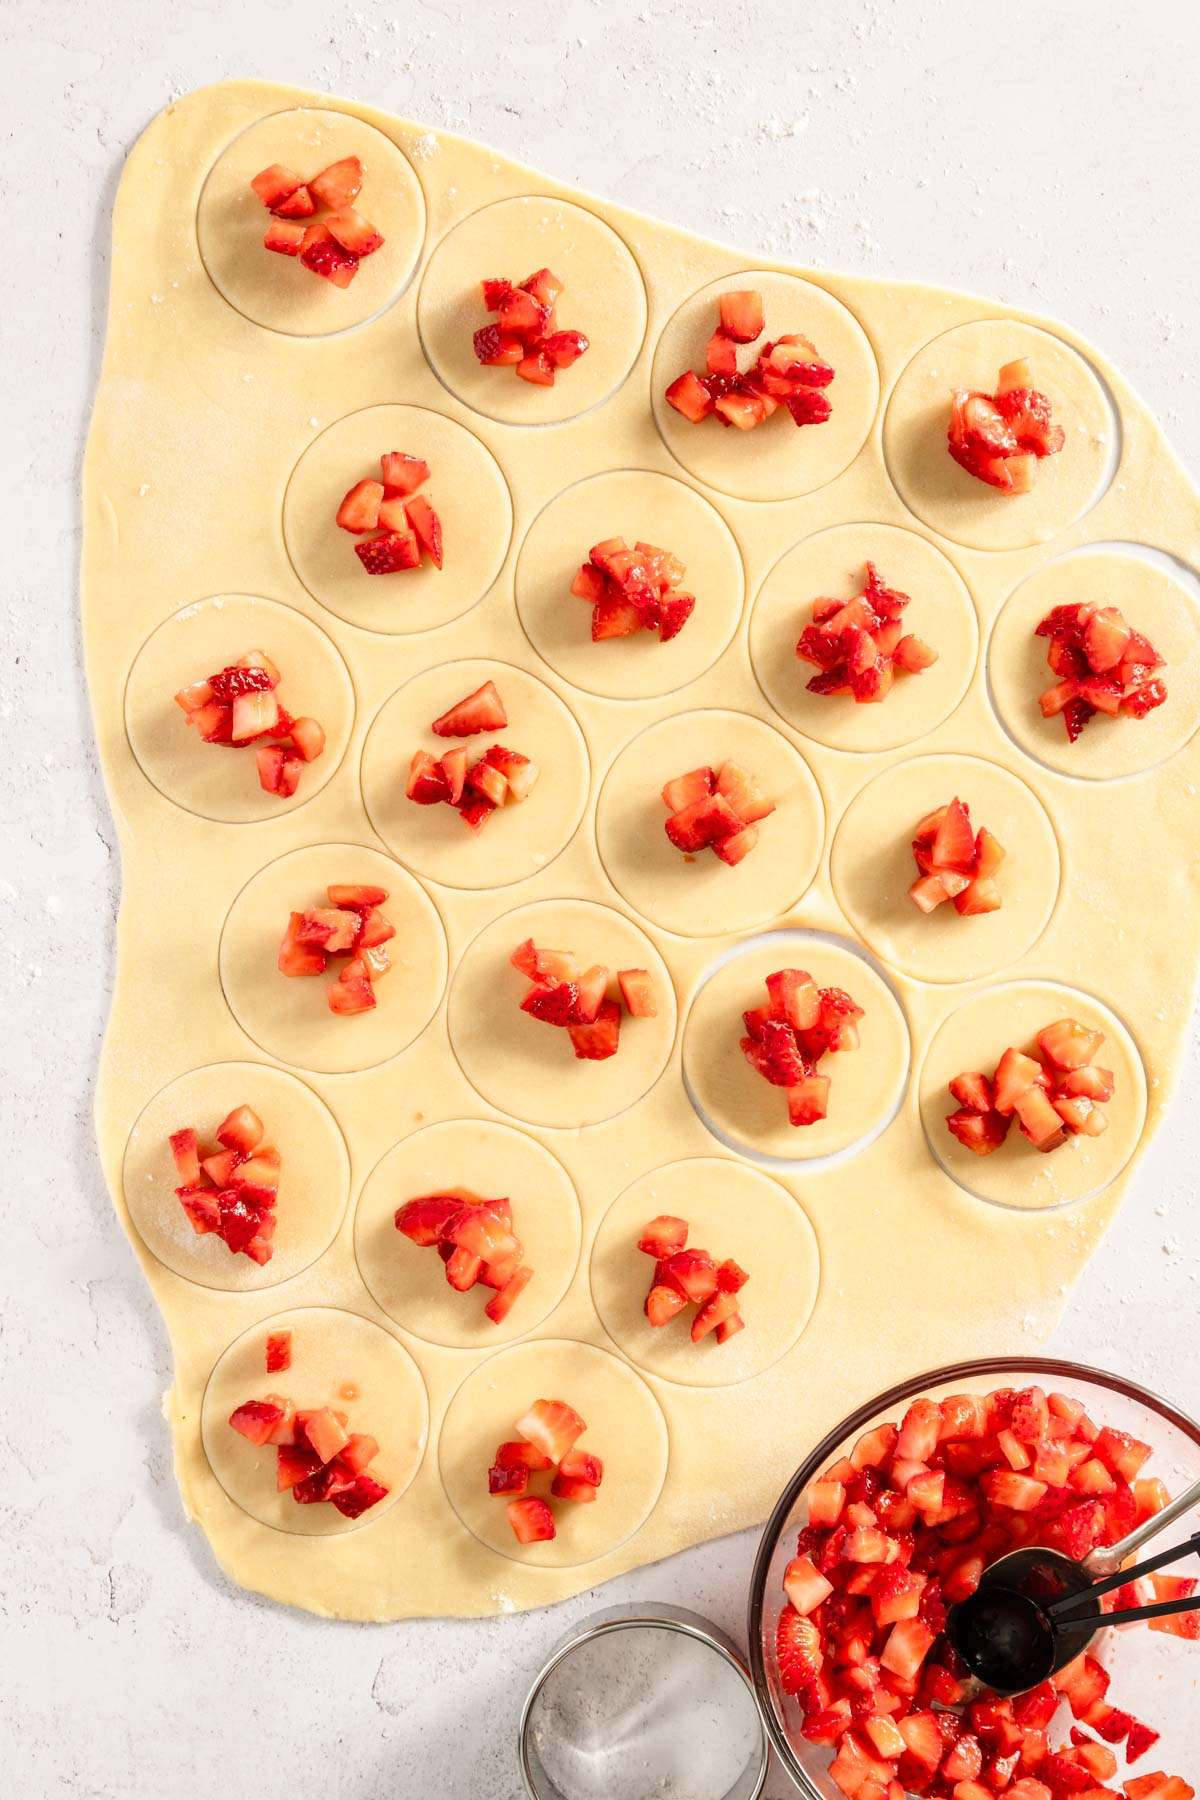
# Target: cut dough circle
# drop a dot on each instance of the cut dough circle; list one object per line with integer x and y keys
{"x": 872, "y": 868}
{"x": 625, "y": 1429}
{"x": 277, "y": 291}
{"x": 213, "y": 780}
{"x": 527, "y": 1068}
{"x": 1153, "y": 603}
{"x": 465, "y": 488}
{"x": 492, "y": 1161}
{"x": 314, "y": 1181}
{"x": 732, "y": 1211}
{"x": 832, "y": 564}
{"x": 959, "y": 505}
{"x": 975, "y": 1037}
{"x": 778, "y": 460}
{"x": 636, "y": 504}
{"x": 520, "y": 840}
{"x": 289, "y": 1016}
{"x": 340, "y": 1360}
{"x": 603, "y": 296}
{"x": 701, "y": 896}
{"x": 743, "y": 1109}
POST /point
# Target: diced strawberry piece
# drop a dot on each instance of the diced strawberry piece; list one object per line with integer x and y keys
{"x": 581, "y": 1465}
{"x": 352, "y": 991}
{"x": 663, "y": 1304}
{"x": 599, "y": 1040}
{"x": 531, "y": 1520}
{"x": 359, "y": 510}
{"x": 1068, "y": 1044}
{"x": 733, "y": 850}
{"x": 362, "y": 1493}
{"x": 390, "y": 553}
{"x": 805, "y": 1586}
{"x": 536, "y": 367}
{"x": 637, "y": 991}
{"x": 1143, "y": 699}
{"x": 912, "y": 655}
{"x": 463, "y": 1267}
{"x": 293, "y": 1466}
{"x": 692, "y": 1273}
{"x": 715, "y": 1312}
{"x": 808, "y": 1100}
{"x": 1027, "y": 413}
{"x": 186, "y": 1152}
{"x": 256, "y": 1420}
{"x": 295, "y": 957}
{"x": 953, "y": 845}
{"x": 299, "y": 205}
{"x": 687, "y": 790}
{"x": 567, "y": 1487}
{"x": 338, "y": 185}
{"x": 741, "y": 315}
{"x": 482, "y": 710}
{"x": 353, "y": 232}
{"x": 501, "y": 1303}
{"x": 973, "y": 1091}
{"x": 798, "y": 1654}
{"x": 614, "y": 617}
{"x": 689, "y": 396}
{"x": 521, "y": 315}
{"x": 544, "y": 285}
{"x": 743, "y": 793}
{"x": 705, "y": 822}
{"x": 242, "y": 1129}
{"x": 510, "y": 1480}
{"x": 743, "y": 410}
{"x": 908, "y": 1644}
{"x": 552, "y": 1427}
{"x": 521, "y": 1454}
{"x": 427, "y": 526}
{"x": 1105, "y": 639}
{"x": 284, "y": 239}
{"x": 402, "y": 474}
{"x": 563, "y": 348}
{"x": 321, "y": 252}
{"x": 673, "y": 614}
{"x": 1015, "y": 1074}
{"x": 484, "y": 778}
{"x": 274, "y": 184}
{"x": 497, "y": 349}
{"x": 720, "y": 354}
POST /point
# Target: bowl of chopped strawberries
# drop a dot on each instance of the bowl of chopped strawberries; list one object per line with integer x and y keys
{"x": 892, "y": 1521}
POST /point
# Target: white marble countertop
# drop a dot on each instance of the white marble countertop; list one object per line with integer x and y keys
{"x": 1044, "y": 154}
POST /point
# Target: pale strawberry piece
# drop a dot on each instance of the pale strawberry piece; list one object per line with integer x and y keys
{"x": 743, "y": 793}
{"x": 428, "y": 528}
{"x": 273, "y": 185}
{"x": 741, "y": 314}
{"x": 185, "y": 1150}
{"x": 283, "y": 238}
{"x": 686, "y": 790}
{"x": 637, "y": 991}
{"x": 352, "y": 991}
{"x": 663, "y": 1236}
{"x": 552, "y": 1427}
{"x": 663, "y": 1304}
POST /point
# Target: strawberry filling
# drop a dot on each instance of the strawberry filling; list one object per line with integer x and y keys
{"x": 684, "y": 1277}
{"x": 787, "y": 1038}
{"x": 476, "y": 1242}
{"x": 1055, "y": 1091}
{"x": 232, "y": 1188}
{"x": 500, "y": 777}
{"x": 560, "y": 994}
{"x": 545, "y": 1446}
{"x": 633, "y": 589}
{"x": 1102, "y": 666}
{"x": 239, "y": 706}
{"x": 316, "y": 1456}
{"x": 904, "y": 1527}
{"x": 1000, "y": 438}
{"x": 398, "y": 527}
{"x": 525, "y": 336}
{"x": 859, "y": 646}
{"x": 351, "y": 926}
{"x": 715, "y": 809}
{"x": 332, "y": 245}
{"x": 955, "y": 862}
{"x": 787, "y": 372}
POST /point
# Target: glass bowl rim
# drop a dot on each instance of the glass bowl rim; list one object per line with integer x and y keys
{"x": 855, "y": 1422}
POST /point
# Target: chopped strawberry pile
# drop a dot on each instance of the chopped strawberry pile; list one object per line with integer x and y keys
{"x": 1102, "y": 664}
{"x": 231, "y": 1187}
{"x": 560, "y": 994}
{"x": 351, "y": 926}
{"x": 955, "y": 862}
{"x": 331, "y": 245}
{"x": 476, "y": 1242}
{"x": 546, "y": 1441}
{"x": 1055, "y": 1091}
{"x": 859, "y": 646}
{"x": 406, "y": 528}
{"x": 787, "y": 1038}
{"x": 316, "y": 1456}
{"x": 684, "y": 1277}
{"x": 238, "y": 706}
{"x": 1000, "y": 438}
{"x": 632, "y": 590}
{"x": 717, "y": 809}
{"x": 903, "y": 1528}
{"x": 500, "y": 777}
{"x": 788, "y": 371}
{"x": 525, "y": 336}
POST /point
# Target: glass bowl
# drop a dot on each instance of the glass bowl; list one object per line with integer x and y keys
{"x": 1155, "y": 1677}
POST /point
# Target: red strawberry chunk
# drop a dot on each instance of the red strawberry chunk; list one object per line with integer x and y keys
{"x": 599, "y": 1040}
{"x": 338, "y": 185}
{"x": 552, "y": 1427}
{"x": 531, "y": 1520}
{"x": 389, "y": 553}
{"x": 354, "y": 233}
{"x": 482, "y": 710}
{"x": 321, "y": 252}
{"x": 279, "y": 1351}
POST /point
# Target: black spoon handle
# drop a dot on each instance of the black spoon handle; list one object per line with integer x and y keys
{"x": 1161, "y": 1609}
{"x": 1058, "y": 1607}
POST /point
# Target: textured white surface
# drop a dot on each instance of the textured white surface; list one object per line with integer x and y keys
{"x": 1046, "y": 155}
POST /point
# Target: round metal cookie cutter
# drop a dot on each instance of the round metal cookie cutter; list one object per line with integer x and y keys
{"x": 643, "y": 1700}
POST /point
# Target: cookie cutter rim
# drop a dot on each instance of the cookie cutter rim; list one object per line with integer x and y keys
{"x": 657, "y": 1617}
